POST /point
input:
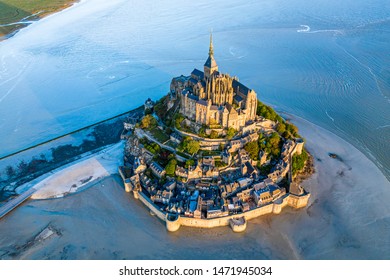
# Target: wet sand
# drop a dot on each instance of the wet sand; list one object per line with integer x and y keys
{"x": 348, "y": 217}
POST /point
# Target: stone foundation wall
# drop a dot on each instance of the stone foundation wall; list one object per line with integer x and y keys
{"x": 148, "y": 203}
{"x": 126, "y": 181}
{"x": 298, "y": 201}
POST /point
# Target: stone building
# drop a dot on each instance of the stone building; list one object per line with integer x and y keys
{"x": 213, "y": 98}
{"x": 138, "y": 165}
{"x": 157, "y": 169}
{"x": 149, "y": 104}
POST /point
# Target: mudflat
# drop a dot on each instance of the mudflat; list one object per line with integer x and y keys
{"x": 345, "y": 216}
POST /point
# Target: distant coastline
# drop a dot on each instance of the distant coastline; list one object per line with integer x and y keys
{"x": 14, "y": 18}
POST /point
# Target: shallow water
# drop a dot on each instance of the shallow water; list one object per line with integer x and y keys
{"x": 323, "y": 60}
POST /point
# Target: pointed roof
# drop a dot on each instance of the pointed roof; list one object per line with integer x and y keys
{"x": 211, "y": 50}
{"x": 210, "y": 62}
{"x": 231, "y": 109}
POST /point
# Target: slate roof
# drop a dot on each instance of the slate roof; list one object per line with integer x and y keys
{"x": 243, "y": 89}
{"x": 181, "y": 78}
{"x": 194, "y": 81}
{"x": 238, "y": 98}
{"x": 203, "y": 102}
{"x": 199, "y": 74}
{"x": 193, "y": 97}
{"x": 250, "y": 168}
{"x": 210, "y": 62}
{"x": 231, "y": 109}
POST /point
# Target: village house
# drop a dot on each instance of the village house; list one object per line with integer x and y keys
{"x": 226, "y": 157}
{"x": 149, "y": 104}
{"x": 244, "y": 195}
{"x": 170, "y": 185}
{"x": 157, "y": 169}
{"x": 247, "y": 169}
{"x": 138, "y": 165}
{"x": 193, "y": 172}
{"x": 162, "y": 196}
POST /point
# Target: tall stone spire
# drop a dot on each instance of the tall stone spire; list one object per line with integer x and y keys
{"x": 211, "y": 49}
{"x": 211, "y": 65}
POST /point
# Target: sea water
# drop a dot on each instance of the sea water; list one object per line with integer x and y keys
{"x": 326, "y": 60}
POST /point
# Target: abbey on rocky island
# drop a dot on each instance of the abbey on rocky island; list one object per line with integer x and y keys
{"x": 202, "y": 157}
{"x": 213, "y": 98}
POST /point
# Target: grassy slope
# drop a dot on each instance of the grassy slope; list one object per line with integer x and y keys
{"x": 12, "y": 11}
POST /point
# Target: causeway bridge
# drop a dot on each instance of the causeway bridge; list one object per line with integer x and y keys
{"x": 15, "y": 202}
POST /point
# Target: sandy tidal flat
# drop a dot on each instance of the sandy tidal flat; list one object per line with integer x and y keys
{"x": 348, "y": 218}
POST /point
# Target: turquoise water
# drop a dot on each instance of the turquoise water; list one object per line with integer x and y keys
{"x": 326, "y": 61}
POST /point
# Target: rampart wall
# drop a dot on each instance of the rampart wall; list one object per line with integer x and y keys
{"x": 273, "y": 208}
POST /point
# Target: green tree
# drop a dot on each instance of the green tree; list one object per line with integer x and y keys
{"x": 214, "y": 134}
{"x": 274, "y": 139}
{"x": 178, "y": 120}
{"x": 253, "y": 149}
{"x": 298, "y": 161}
{"x": 292, "y": 129}
{"x": 271, "y": 144}
{"x": 183, "y": 145}
{"x": 22, "y": 168}
{"x": 274, "y": 144}
{"x": 266, "y": 111}
{"x": 148, "y": 122}
{"x": 154, "y": 148}
{"x": 281, "y": 128}
{"x": 202, "y": 131}
{"x": 192, "y": 147}
{"x": 262, "y": 141}
{"x": 213, "y": 122}
{"x": 230, "y": 133}
{"x": 171, "y": 167}
{"x": 9, "y": 170}
{"x": 188, "y": 145}
{"x": 161, "y": 108}
{"x": 189, "y": 162}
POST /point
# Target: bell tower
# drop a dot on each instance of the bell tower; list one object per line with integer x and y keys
{"x": 211, "y": 65}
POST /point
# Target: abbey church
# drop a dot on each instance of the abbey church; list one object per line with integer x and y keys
{"x": 213, "y": 98}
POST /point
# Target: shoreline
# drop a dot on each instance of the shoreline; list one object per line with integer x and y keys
{"x": 367, "y": 153}
{"x": 75, "y": 139}
{"x": 23, "y": 23}
{"x": 335, "y": 210}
